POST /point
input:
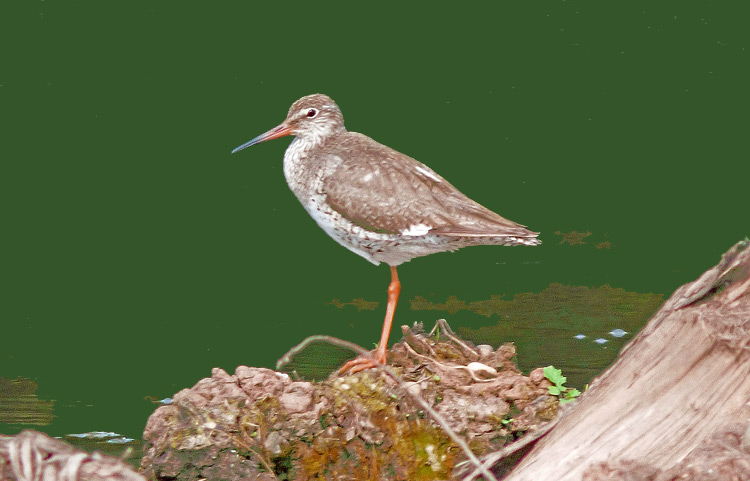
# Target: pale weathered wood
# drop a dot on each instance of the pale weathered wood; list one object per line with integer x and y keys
{"x": 34, "y": 456}
{"x": 682, "y": 378}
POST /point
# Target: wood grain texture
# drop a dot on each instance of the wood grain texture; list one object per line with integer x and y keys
{"x": 682, "y": 378}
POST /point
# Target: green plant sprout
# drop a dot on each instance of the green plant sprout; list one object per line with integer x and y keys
{"x": 565, "y": 394}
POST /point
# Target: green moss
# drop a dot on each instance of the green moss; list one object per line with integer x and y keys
{"x": 398, "y": 446}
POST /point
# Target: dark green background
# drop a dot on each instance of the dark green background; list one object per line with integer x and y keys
{"x": 137, "y": 253}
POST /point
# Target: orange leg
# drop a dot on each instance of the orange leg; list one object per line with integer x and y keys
{"x": 378, "y": 355}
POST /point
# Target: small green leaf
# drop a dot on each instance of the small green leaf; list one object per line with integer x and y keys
{"x": 565, "y": 394}
{"x": 572, "y": 393}
{"x": 554, "y": 375}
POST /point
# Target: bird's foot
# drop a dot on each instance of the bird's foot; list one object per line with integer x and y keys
{"x": 360, "y": 363}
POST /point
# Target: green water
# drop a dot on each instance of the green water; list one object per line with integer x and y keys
{"x": 137, "y": 253}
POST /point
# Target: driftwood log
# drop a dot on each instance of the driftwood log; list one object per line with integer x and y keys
{"x": 675, "y": 404}
{"x": 34, "y": 456}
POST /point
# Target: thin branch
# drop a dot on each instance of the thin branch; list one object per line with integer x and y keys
{"x": 443, "y": 324}
{"x": 287, "y": 358}
{"x": 262, "y": 459}
{"x": 490, "y": 459}
{"x": 412, "y": 338}
{"x": 471, "y": 370}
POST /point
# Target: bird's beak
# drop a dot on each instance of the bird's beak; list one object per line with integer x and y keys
{"x": 274, "y": 133}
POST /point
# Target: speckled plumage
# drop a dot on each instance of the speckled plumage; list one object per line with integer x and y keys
{"x": 376, "y": 201}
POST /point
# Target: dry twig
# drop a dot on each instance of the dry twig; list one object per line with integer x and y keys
{"x": 443, "y": 324}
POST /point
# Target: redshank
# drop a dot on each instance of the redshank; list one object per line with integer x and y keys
{"x": 377, "y": 202}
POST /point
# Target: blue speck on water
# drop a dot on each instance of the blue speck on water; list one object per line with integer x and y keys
{"x": 166, "y": 400}
{"x": 580, "y": 336}
{"x": 120, "y": 440}
{"x": 601, "y": 341}
{"x": 617, "y": 332}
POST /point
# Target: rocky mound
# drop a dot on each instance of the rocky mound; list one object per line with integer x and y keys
{"x": 260, "y": 424}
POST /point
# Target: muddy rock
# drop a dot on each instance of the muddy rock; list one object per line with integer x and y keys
{"x": 260, "y": 424}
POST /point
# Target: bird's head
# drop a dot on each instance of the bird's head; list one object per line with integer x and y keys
{"x": 312, "y": 118}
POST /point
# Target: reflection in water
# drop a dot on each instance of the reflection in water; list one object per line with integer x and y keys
{"x": 113, "y": 444}
{"x": 155, "y": 400}
{"x": 20, "y": 405}
{"x": 558, "y": 305}
{"x": 359, "y": 303}
{"x": 573, "y": 238}
{"x": 544, "y": 325}
{"x": 548, "y": 327}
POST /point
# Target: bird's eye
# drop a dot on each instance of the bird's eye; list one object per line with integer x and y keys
{"x": 312, "y": 113}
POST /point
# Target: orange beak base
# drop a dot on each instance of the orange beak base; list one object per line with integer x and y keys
{"x": 276, "y": 132}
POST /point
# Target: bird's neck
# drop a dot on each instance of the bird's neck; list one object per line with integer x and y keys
{"x": 300, "y": 149}
{"x": 298, "y": 160}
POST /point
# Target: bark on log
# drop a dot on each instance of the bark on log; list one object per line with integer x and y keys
{"x": 681, "y": 386}
{"x": 34, "y": 456}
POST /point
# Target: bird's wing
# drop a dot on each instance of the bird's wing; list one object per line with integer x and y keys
{"x": 385, "y": 191}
